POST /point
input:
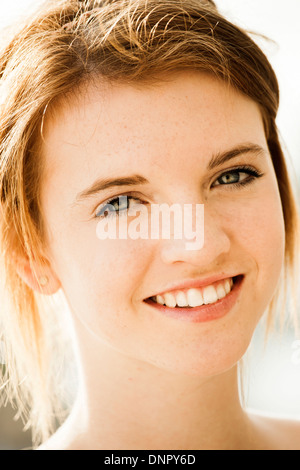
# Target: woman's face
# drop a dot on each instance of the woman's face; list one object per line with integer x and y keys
{"x": 168, "y": 134}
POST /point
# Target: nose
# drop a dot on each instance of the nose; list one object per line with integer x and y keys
{"x": 216, "y": 243}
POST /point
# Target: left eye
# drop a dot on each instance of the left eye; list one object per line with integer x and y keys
{"x": 237, "y": 177}
{"x": 232, "y": 177}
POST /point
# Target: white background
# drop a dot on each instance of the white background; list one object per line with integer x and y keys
{"x": 275, "y": 378}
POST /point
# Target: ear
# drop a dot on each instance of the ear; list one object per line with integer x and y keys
{"x": 41, "y": 279}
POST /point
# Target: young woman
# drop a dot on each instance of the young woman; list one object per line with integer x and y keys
{"x": 160, "y": 102}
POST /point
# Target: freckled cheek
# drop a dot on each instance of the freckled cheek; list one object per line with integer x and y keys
{"x": 116, "y": 269}
{"x": 100, "y": 280}
{"x": 259, "y": 229}
{"x": 88, "y": 266}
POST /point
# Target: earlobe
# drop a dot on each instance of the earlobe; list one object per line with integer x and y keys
{"x": 41, "y": 279}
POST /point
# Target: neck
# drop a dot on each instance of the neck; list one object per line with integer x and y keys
{"x": 128, "y": 404}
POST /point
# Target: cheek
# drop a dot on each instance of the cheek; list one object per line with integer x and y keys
{"x": 260, "y": 232}
{"x": 100, "y": 278}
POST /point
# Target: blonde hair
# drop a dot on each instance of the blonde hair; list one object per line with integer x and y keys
{"x": 66, "y": 43}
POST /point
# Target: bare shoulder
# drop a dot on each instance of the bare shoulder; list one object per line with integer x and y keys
{"x": 275, "y": 433}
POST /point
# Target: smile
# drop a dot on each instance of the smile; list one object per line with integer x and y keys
{"x": 199, "y": 304}
{"x": 195, "y": 297}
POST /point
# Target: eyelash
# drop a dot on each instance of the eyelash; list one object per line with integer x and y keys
{"x": 253, "y": 175}
{"x": 118, "y": 213}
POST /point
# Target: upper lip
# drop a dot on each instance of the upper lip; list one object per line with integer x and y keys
{"x": 194, "y": 283}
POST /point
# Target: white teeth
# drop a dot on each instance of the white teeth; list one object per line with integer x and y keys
{"x": 170, "y": 300}
{"x": 160, "y": 300}
{"x": 221, "y": 291}
{"x": 194, "y": 298}
{"x": 210, "y": 295}
{"x": 227, "y": 286}
{"x": 181, "y": 300}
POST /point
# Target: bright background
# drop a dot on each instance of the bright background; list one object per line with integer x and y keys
{"x": 274, "y": 372}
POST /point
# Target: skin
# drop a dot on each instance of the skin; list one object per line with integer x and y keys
{"x": 149, "y": 381}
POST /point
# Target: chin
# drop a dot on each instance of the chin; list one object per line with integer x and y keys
{"x": 204, "y": 364}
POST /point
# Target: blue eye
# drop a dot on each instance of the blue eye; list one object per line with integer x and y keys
{"x": 234, "y": 177}
{"x": 115, "y": 207}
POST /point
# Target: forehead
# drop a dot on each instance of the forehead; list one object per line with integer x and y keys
{"x": 105, "y": 128}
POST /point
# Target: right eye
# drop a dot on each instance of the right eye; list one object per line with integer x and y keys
{"x": 116, "y": 206}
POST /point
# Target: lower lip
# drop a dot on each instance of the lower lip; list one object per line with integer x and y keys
{"x": 205, "y": 313}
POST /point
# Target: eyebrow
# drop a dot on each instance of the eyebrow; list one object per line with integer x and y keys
{"x": 102, "y": 184}
{"x": 221, "y": 158}
{"x": 217, "y": 160}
